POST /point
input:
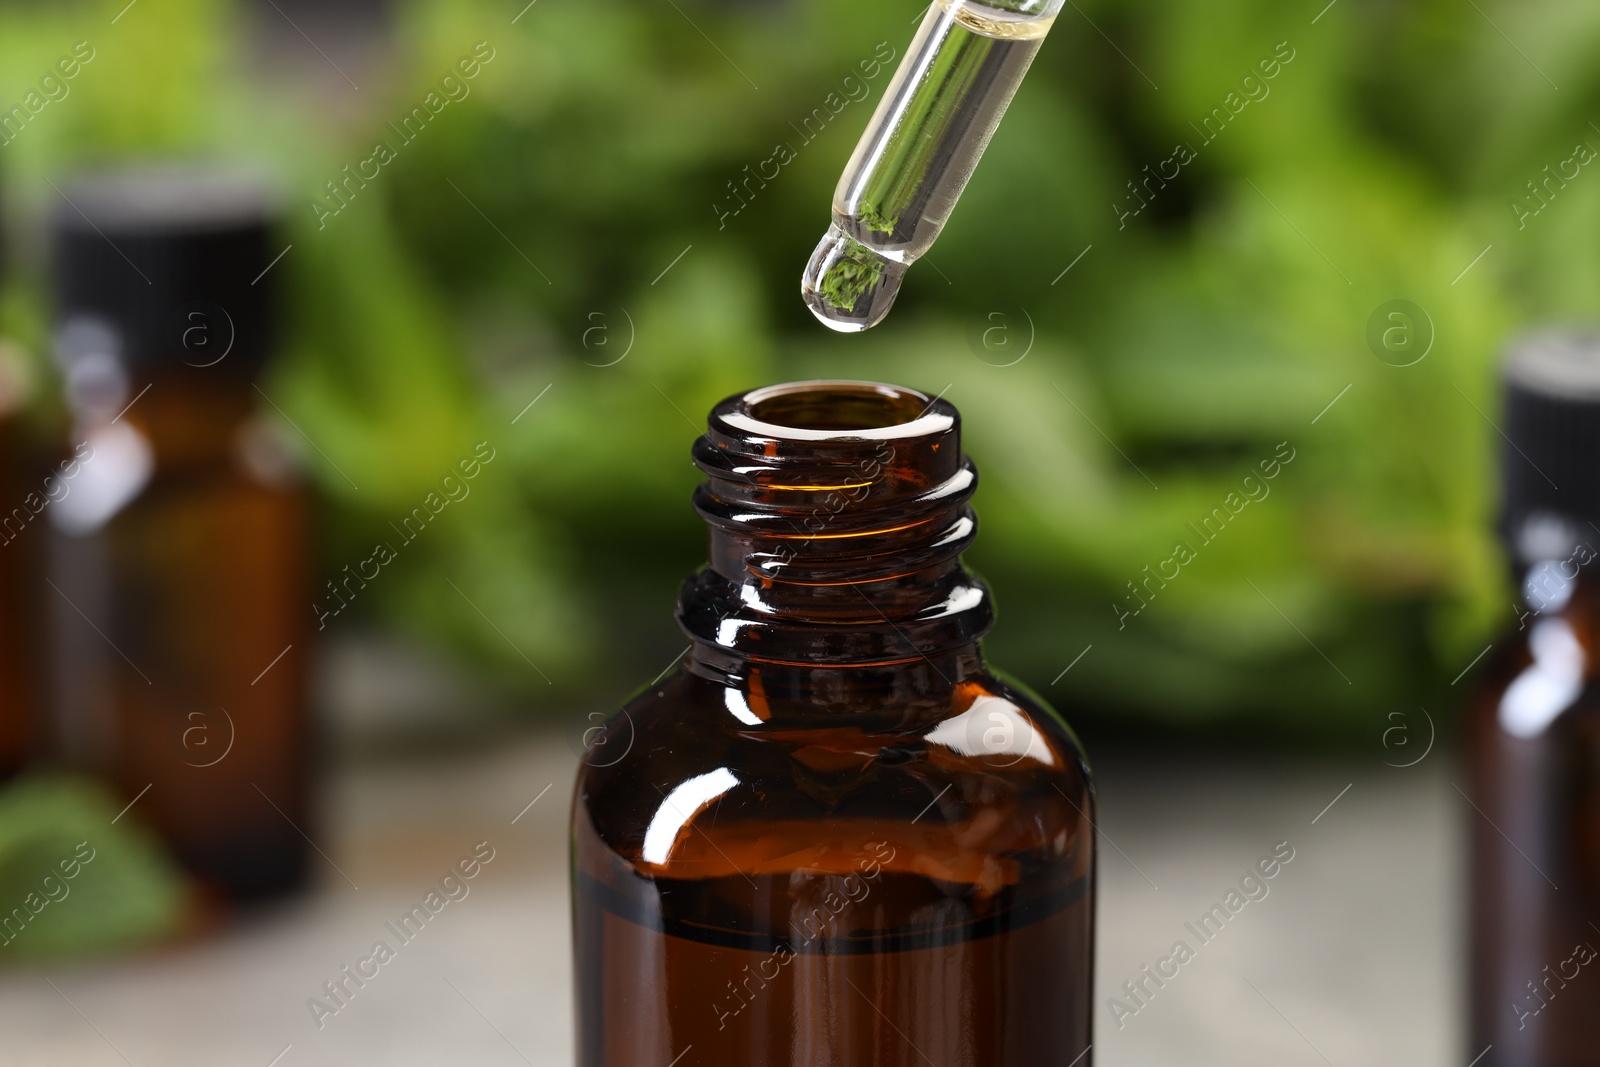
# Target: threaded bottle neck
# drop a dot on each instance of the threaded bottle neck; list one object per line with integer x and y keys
{"x": 838, "y": 512}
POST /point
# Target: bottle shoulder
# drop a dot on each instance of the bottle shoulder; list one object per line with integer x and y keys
{"x": 989, "y": 726}
{"x": 1541, "y": 682}
{"x": 691, "y": 779}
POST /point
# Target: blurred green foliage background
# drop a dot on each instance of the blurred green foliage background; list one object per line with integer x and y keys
{"x": 522, "y": 241}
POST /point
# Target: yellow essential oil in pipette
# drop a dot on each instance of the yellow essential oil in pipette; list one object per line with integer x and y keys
{"x": 925, "y": 138}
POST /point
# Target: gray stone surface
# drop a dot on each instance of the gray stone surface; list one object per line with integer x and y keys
{"x": 1351, "y": 958}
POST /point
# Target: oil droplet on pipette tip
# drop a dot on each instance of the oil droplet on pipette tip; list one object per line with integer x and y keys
{"x": 850, "y": 286}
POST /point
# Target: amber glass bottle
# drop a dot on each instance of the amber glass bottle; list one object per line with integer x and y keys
{"x": 179, "y": 556}
{"x": 833, "y": 836}
{"x": 1533, "y": 738}
{"x": 23, "y": 491}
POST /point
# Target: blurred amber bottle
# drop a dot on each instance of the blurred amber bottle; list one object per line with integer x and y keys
{"x": 833, "y": 836}
{"x": 1533, "y": 738}
{"x": 179, "y": 555}
{"x": 24, "y": 490}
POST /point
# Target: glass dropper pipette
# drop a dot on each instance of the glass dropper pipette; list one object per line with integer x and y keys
{"x": 925, "y": 138}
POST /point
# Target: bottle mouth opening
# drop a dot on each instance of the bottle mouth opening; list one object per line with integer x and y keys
{"x": 816, "y": 488}
{"x": 837, "y": 410}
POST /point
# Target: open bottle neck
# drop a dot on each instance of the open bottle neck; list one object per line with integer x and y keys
{"x": 838, "y": 512}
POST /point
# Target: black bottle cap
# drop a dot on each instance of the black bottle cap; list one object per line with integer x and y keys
{"x": 165, "y": 267}
{"x": 1550, "y": 458}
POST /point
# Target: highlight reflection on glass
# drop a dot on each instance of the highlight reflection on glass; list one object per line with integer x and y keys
{"x": 1539, "y": 695}
{"x": 681, "y": 805}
